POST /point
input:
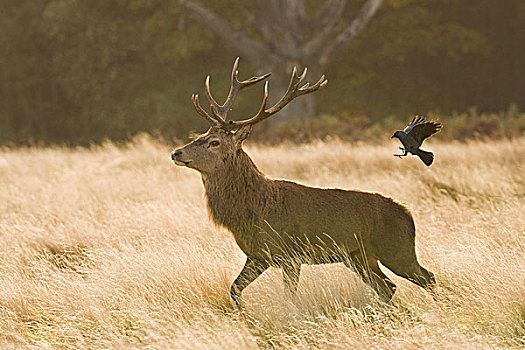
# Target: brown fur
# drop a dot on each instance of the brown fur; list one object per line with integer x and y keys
{"x": 285, "y": 224}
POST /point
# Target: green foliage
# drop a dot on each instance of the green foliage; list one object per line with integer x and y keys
{"x": 77, "y": 72}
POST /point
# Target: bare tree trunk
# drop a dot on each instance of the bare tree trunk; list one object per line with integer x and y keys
{"x": 358, "y": 24}
{"x": 288, "y": 38}
{"x": 5, "y": 94}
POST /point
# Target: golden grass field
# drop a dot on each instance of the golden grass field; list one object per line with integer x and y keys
{"x": 111, "y": 247}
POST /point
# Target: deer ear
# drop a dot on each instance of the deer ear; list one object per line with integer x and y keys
{"x": 241, "y": 134}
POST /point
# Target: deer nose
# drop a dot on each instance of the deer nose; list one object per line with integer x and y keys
{"x": 175, "y": 154}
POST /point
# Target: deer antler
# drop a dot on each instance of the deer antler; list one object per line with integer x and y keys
{"x": 220, "y": 111}
{"x": 292, "y": 92}
{"x": 202, "y": 112}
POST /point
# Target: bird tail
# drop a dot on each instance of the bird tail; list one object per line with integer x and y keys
{"x": 426, "y": 157}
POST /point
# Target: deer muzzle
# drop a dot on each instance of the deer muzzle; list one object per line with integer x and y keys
{"x": 175, "y": 156}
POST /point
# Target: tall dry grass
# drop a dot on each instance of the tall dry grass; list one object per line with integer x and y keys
{"x": 111, "y": 247}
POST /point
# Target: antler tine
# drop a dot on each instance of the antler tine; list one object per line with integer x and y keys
{"x": 237, "y": 85}
{"x": 306, "y": 88}
{"x": 202, "y": 112}
{"x": 221, "y": 111}
{"x": 235, "y": 88}
{"x": 214, "y": 106}
{"x": 262, "y": 109}
{"x": 261, "y": 114}
{"x": 292, "y": 92}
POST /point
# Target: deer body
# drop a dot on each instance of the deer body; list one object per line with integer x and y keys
{"x": 268, "y": 216}
{"x": 285, "y": 224}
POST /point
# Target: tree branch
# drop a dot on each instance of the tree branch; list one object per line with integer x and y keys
{"x": 358, "y": 24}
{"x": 295, "y": 14}
{"x": 325, "y": 15}
{"x": 326, "y": 19}
{"x": 254, "y": 14}
{"x": 255, "y": 51}
{"x": 280, "y": 24}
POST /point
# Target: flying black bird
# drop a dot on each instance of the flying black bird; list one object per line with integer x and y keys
{"x": 413, "y": 136}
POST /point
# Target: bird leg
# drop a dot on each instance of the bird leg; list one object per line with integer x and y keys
{"x": 405, "y": 152}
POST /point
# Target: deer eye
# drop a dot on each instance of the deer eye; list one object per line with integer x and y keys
{"x": 214, "y": 143}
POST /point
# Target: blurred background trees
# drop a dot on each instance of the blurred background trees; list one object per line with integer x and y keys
{"x": 283, "y": 36}
{"x": 75, "y": 71}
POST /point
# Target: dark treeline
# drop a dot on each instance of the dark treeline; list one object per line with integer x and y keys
{"x": 75, "y": 71}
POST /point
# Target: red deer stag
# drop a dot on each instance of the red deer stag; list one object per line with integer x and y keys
{"x": 285, "y": 224}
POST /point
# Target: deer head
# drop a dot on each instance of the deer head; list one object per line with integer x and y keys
{"x": 224, "y": 138}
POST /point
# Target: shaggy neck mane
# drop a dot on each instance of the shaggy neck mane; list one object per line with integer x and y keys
{"x": 237, "y": 193}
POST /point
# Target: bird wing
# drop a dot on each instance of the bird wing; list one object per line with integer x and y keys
{"x": 417, "y": 119}
{"x": 420, "y": 129}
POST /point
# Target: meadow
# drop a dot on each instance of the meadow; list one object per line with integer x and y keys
{"x": 111, "y": 247}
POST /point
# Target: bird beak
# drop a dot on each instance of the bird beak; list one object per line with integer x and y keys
{"x": 393, "y": 136}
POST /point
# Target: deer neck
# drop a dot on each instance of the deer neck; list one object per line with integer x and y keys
{"x": 237, "y": 193}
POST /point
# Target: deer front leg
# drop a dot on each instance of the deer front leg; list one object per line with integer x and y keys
{"x": 252, "y": 269}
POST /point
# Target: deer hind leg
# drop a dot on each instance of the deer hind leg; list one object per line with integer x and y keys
{"x": 369, "y": 271}
{"x": 252, "y": 269}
